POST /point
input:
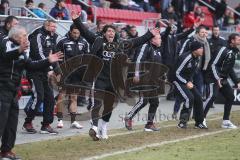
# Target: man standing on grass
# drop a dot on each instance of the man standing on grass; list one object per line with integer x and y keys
{"x": 186, "y": 67}
{"x": 13, "y": 60}
{"x": 219, "y": 70}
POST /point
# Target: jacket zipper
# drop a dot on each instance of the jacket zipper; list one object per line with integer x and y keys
{"x": 12, "y": 70}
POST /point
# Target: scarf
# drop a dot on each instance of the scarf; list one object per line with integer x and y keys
{"x": 207, "y": 53}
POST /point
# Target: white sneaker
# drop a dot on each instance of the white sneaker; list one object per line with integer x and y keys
{"x": 227, "y": 124}
{"x": 102, "y": 129}
{"x": 76, "y": 125}
{"x": 60, "y": 124}
{"x": 204, "y": 122}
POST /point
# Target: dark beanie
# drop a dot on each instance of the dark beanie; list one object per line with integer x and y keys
{"x": 195, "y": 45}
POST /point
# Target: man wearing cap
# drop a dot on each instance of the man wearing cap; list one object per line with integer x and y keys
{"x": 186, "y": 65}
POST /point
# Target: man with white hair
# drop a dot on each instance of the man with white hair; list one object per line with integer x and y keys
{"x": 13, "y": 60}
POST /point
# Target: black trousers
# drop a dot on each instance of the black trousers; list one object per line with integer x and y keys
{"x": 103, "y": 85}
{"x": 192, "y": 98}
{"x": 44, "y": 93}
{"x": 227, "y": 92}
{"x": 154, "y": 102}
{"x": 8, "y": 119}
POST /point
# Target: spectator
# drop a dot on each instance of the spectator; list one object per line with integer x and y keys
{"x": 170, "y": 14}
{"x": 178, "y": 7}
{"x": 145, "y": 5}
{"x": 219, "y": 12}
{"x": 189, "y": 5}
{"x": 198, "y": 12}
{"x": 4, "y": 7}
{"x": 228, "y": 19}
{"x": 124, "y": 34}
{"x": 59, "y": 11}
{"x": 29, "y": 4}
{"x": 237, "y": 17}
{"x": 132, "y": 31}
{"x": 38, "y": 11}
{"x": 84, "y": 16}
{"x": 118, "y": 4}
{"x": 100, "y": 25}
{"x": 165, "y": 4}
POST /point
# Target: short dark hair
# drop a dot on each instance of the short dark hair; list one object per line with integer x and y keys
{"x": 9, "y": 19}
{"x": 232, "y": 37}
{"x": 41, "y": 5}
{"x": 199, "y": 28}
{"x": 105, "y": 28}
{"x": 73, "y": 26}
{"x": 50, "y": 21}
{"x": 29, "y": 1}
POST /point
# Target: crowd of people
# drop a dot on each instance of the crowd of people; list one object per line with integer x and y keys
{"x": 199, "y": 66}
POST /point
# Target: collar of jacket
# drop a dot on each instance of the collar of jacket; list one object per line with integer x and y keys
{"x": 46, "y": 31}
{"x": 14, "y": 41}
{"x": 4, "y": 30}
{"x": 154, "y": 46}
{"x": 214, "y": 37}
{"x": 234, "y": 49}
{"x": 70, "y": 38}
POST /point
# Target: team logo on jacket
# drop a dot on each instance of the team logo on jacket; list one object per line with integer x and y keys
{"x": 108, "y": 55}
{"x": 189, "y": 65}
{"x": 48, "y": 43}
{"x": 68, "y": 48}
{"x": 157, "y": 53}
{"x": 80, "y": 46}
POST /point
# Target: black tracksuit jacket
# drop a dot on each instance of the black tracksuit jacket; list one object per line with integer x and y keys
{"x": 99, "y": 49}
{"x": 221, "y": 65}
{"x": 41, "y": 43}
{"x": 185, "y": 68}
{"x": 12, "y": 64}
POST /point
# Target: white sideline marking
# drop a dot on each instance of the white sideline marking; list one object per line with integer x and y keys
{"x": 155, "y": 145}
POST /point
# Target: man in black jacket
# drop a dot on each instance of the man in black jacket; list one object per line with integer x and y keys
{"x": 216, "y": 40}
{"x": 185, "y": 68}
{"x": 71, "y": 45}
{"x": 42, "y": 42}
{"x": 13, "y": 60}
{"x": 102, "y": 48}
{"x": 9, "y": 22}
{"x": 149, "y": 52}
{"x": 219, "y": 70}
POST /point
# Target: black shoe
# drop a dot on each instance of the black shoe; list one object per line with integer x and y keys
{"x": 200, "y": 126}
{"x": 28, "y": 127}
{"x": 47, "y": 129}
{"x": 9, "y": 156}
{"x": 151, "y": 128}
{"x": 182, "y": 125}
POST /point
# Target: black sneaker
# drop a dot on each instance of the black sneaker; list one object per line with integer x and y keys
{"x": 28, "y": 127}
{"x": 9, "y": 156}
{"x": 182, "y": 125}
{"x": 47, "y": 129}
{"x": 151, "y": 128}
{"x": 200, "y": 126}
